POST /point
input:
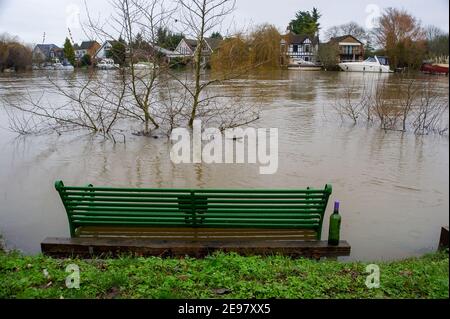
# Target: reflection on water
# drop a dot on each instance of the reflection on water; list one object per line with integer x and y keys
{"x": 393, "y": 187}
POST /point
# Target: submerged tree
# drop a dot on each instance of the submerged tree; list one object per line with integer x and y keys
{"x": 399, "y": 104}
{"x": 146, "y": 94}
{"x": 199, "y": 18}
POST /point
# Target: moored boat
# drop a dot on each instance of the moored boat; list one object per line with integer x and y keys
{"x": 434, "y": 68}
{"x": 302, "y": 65}
{"x": 144, "y": 66}
{"x": 107, "y": 64}
{"x": 374, "y": 64}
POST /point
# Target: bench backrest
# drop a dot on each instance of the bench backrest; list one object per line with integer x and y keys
{"x": 197, "y": 208}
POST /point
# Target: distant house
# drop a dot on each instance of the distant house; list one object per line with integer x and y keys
{"x": 86, "y": 47}
{"x": 187, "y": 47}
{"x": 349, "y": 47}
{"x": 47, "y": 52}
{"x": 102, "y": 52}
{"x": 147, "y": 52}
{"x": 167, "y": 54}
{"x": 299, "y": 46}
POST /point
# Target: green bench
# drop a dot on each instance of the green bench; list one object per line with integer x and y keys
{"x": 195, "y": 219}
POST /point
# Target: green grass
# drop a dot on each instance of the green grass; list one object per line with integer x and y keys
{"x": 221, "y": 276}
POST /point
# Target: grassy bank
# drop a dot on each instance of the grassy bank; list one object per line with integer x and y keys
{"x": 221, "y": 276}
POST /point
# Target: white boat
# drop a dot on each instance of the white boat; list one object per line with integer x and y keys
{"x": 63, "y": 67}
{"x": 67, "y": 66}
{"x": 374, "y": 64}
{"x": 58, "y": 66}
{"x": 107, "y": 64}
{"x": 47, "y": 67}
{"x": 144, "y": 66}
{"x": 300, "y": 64}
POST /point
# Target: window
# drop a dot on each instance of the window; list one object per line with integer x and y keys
{"x": 383, "y": 60}
{"x": 371, "y": 59}
{"x": 307, "y": 48}
{"x": 349, "y": 49}
{"x": 306, "y": 58}
{"x": 295, "y": 48}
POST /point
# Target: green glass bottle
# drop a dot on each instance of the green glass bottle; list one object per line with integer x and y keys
{"x": 335, "y": 226}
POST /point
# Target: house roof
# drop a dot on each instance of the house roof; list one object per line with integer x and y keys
{"x": 343, "y": 37}
{"x": 47, "y": 48}
{"x": 111, "y": 42}
{"x": 165, "y": 51}
{"x": 86, "y": 45}
{"x": 192, "y": 44}
{"x": 213, "y": 43}
{"x": 293, "y": 38}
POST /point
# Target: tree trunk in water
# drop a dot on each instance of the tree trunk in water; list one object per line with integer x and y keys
{"x": 197, "y": 71}
{"x": 197, "y": 67}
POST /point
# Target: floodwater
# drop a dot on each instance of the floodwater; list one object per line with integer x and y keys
{"x": 393, "y": 186}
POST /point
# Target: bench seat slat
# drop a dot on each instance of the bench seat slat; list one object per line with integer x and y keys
{"x": 224, "y": 225}
{"x": 144, "y": 200}
{"x": 143, "y": 219}
{"x": 93, "y": 194}
{"x": 199, "y": 191}
{"x": 300, "y": 207}
{"x": 173, "y": 214}
{"x": 209, "y": 211}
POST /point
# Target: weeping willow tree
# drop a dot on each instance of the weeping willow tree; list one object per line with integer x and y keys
{"x": 233, "y": 55}
{"x": 265, "y": 46}
{"x": 259, "y": 49}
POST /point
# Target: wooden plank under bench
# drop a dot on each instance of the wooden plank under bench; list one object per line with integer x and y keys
{"x": 197, "y": 234}
{"x": 89, "y": 247}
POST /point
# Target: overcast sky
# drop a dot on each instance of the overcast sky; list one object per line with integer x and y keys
{"x": 29, "y": 19}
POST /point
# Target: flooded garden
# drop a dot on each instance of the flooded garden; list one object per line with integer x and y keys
{"x": 392, "y": 184}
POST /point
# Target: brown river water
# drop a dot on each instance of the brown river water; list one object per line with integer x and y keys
{"x": 393, "y": 186}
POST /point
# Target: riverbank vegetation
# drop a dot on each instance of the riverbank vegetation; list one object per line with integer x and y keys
{"x": 221, "y": 276}
{"x": 14, "y": 55}
{"x": 396, "y": 34}
{"x": 407, "y": 43}
{"x": 402, "y": 37}
{"x": 242, "y": 53}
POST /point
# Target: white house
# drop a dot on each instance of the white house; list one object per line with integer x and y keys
{"x": 350, "y": 48}
{"x": 102, "y": 53}
{"x": 300, "y": 46}
{"x": 86, "y": 47}
{"x": 47, "y": 52}
{"x": 187, "y": 47}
